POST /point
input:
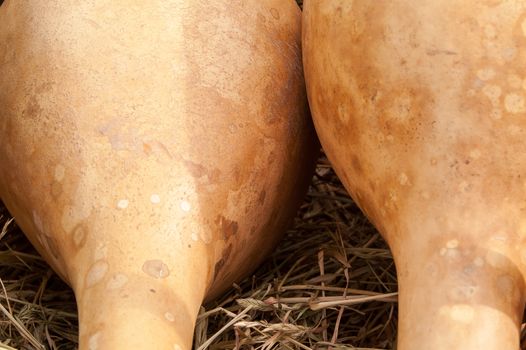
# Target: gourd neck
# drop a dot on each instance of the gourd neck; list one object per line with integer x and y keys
{"x": 458, "y": 297}
{"x": 137, "y": 314}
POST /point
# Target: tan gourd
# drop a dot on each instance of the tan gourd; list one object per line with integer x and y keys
{"x": 152, "y": 151}
{"x": 421, "y": 108}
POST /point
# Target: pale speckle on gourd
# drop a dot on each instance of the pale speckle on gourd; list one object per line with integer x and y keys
{"x": 475, "y": 153}
{"x": 514, "y": 103}
{"x": 194, "y": 237}
{"x": 479, "y": 262}
{"x": 117, "y": 281}
{"x": 485, "y": 74}
{"x": 101, "y": 252}
{"x": 155, "y": 198}
{"x": 452, "y": 244}
{"x": 496, "y": 259}
{"x": 96, "y": 273}
{"x": 123, "y": 204}
{"x": 60, "y": 172}
{"x": 93, "y": 341}
{"x": 206, "y": 236}
{"x": 169, "y": 316}
{"x": 493, "y": 92}
{"x": 403, "y": 179}
{"x": 38, "y": 222}
{"x": 501, "y": 237}
{"x": 177, "y": 347}
{"x": 156, "y": 268}
{"x": 185, "y": 206}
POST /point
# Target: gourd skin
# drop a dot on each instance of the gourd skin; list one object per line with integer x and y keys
{"x": 421, "y": 109}
{"x": 153, "y": 152}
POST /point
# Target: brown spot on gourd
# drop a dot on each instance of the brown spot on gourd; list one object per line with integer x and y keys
{"x": 228, "y": 227}
{"x": 224, "y": 258}
{"x": 147, "y": 148}
{"x": 56, "y": 189}
{"x": 262, "y": 196}
{"x": 79, "y": 235}
{"x": 214, "y": 175}
{"x": 156, "y": 268}
{"x": 32, "y": 109}
{"x": 195, "y": 169}
{"x": 275, "y": 13}
{"x": 356, "y": 165}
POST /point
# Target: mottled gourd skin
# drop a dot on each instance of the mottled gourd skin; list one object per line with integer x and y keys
{"x": 153, "y": 152}
{"x": 421, "y": 109}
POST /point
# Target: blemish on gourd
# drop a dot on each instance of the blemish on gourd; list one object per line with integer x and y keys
{"x": 123, "y": 204}
{"x": 96, "y": 273}
{"x": 479, "y": 262}
{"x": 485, "y": 74}
{"x": 169, "y": 316}
{"x": 60, "y": 172}
{"x": 117, "y": 281}
{"x": 206, "y": 236}
{"x": 38, "y": 222}
{"x": 275, "y": 13}
{"x": 228, "y": 227}
{"x": 493, "y": 92}
{"x": 155, "y": 198}
{"x": 177, "y": 347}
{"x": 496, "y": 259}
{"x": 261, "y": 197}
{"x": 156, "y": 269}
{"x": 56, "y": 189}
{"x": 194, "y": 237}
{"x": 452, "y": 244}
{"x": 93, "y": 341}
{"x": 475, "y": 154}
{"x": 185, "y": 206}
{"x": 403, "y": 179}
{"x": 79, "y": 236}
{"x": 514, "y": 103}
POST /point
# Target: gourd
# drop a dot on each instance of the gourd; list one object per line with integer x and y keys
{"x": 421, "y": 109}
{"x": 153, "y": 152}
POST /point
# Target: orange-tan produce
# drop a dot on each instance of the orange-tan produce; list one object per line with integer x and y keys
{"x": 421, "y": 109}
{"x": 152, "y": 151}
